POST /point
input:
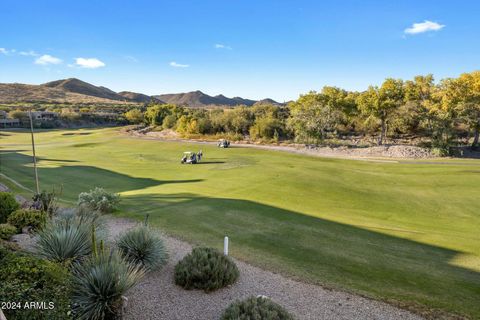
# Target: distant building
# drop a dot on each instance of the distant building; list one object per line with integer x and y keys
{"x": 5, "y": 122}
{"x": 9, "y": 123}
{"x": 44, "y": 115}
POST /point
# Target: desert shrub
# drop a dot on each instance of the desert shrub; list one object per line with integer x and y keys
{"x": 8, "y": 204}
{"x": 46, "y": 201}
{"x": 143, "y": 247}
{"x": 25, "y": 278}
{"x": 206, "y": 269}
{"x": 7, "y": 231}
{"x": 99, "y": 284}
{"x": 27, "y": 217}
{"x": 99, "y": 199}
{"x": 256, "y": 308}
{"x": 66, "y": 240}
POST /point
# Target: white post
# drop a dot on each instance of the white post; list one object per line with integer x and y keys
{"x": 225, "y": 246}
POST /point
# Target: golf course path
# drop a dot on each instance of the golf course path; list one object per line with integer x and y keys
{"x": 157, "y": 297}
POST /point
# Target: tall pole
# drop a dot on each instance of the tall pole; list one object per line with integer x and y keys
{"x": 34, "y": 156}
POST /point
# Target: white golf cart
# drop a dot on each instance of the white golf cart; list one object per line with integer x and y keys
{"x": 189, "y": 158}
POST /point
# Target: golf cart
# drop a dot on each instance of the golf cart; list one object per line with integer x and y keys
{"x": 189, "y": 157}
{"x": 222, "y": 143}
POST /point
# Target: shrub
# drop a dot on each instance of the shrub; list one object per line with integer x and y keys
{"x": 7, "y": 231}
{"x": 47, "y": 202}
{"x": 65, "y": 240}
{"x": 256, "y": 308}
{"x": 8, "y": 204}
{"x": 206, "y": 269}
{"x": 28, "y": 217}
{"x": 25, "y": 278}
{"x": 143, "y": 247}
{"x": 99, "y": 284}
{"x": 99, "y": 199}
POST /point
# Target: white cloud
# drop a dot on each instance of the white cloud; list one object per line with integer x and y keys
{"x": 178, "y": 65}
{"x": 6, "y": 51}
{"x": 425, "y": 26}
{"x": 47, "y": 59}
{"x": 222, "y": 46}
{"x": 89, "y": 63}
{"x": 29, "y": 53}
{"x": 131, "y": 58}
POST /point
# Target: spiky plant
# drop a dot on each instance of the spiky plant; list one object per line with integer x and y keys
{"x": 99, "y": 283}
{"x": 65, "y": 240}
{"x": 142, "y": 246}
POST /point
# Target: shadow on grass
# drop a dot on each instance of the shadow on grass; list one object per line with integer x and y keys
{"x": 319, "y": 250}
{"x": 73, "y": 179}
{"x": 210, "y": 162}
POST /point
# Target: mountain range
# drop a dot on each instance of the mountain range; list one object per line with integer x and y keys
{"x": 77, "y": 91}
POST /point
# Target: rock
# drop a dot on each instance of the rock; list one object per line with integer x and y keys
{"x": 27, "y": 230}
{"x": 24, "y": 241}
{"x": 21, "y": 200}
{"x": 3, "y": 188}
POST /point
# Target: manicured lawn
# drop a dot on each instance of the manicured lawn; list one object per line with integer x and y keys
{"x": 407, "y": 232}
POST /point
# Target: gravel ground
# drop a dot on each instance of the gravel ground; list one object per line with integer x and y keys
{"x": 157, "y": 297}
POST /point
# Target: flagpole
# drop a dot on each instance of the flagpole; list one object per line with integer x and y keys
{"x": 34, "y": 156}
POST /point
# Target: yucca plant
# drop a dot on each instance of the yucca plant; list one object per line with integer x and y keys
{"x": 99, "y": 283}
{"x": 65, "y": 240}
{"x": 142, "y": 246}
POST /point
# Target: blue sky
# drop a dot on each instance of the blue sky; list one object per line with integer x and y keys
{"x": 253, "y": 49}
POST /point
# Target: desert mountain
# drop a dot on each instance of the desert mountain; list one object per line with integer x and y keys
{"x": 139, "y": 97}
{"x": 268, "y": 101}
{"x": 82, "y": 87}
{"x": 17, "y": 92}
{"x": 77, "y": 91}
{"x": 198, "y": 99}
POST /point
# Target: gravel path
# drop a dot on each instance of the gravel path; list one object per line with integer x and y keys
{"x": 157, "y": 297}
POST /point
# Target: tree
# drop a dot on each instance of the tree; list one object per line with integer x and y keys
{"x": 380, "y": 103}
{"x": 266, "y": 127}
{"x": 134, "y": 116}
{"x": 156, "y": 113}
{"x": 416, "y": 113}
{"x": 314, "y": 115}
{"x": 241, "y": 119}
{"x": 468, "y": 102}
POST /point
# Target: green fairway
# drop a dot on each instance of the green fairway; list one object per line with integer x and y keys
{"x": 406, "y": 232}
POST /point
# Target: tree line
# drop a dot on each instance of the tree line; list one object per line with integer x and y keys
{"x": 444, "y": 114}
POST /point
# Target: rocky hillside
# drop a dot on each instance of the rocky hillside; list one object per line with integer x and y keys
{"x": 198, "y": 99}
{"x": 139, "y": 97}
{"x": 81, "y": 87}
{"x": 17, "y": 92}
{"x": 77, "y": 91}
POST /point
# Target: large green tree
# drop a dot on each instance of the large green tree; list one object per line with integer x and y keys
{"x": 381, "y": 103}
{"x": 314, "y": 115}
{"x": 134, "y": 116}
{"x": 468, "y": 106}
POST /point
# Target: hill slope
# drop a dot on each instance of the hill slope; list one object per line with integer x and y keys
{"x": 82, "y": 87}
{"x": 17, "y": 92}
{"x": 198, "y": 99}
{"x": 139, "y": 97}
{"x": 77, "y": 91}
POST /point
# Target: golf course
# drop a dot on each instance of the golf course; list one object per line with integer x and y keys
{"x": 404, "y": 231}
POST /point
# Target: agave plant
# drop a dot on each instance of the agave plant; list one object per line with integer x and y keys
{"x": 142, "y": 246}
{"x": 66, "y": 239}
{"x": 99, "y": 283}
